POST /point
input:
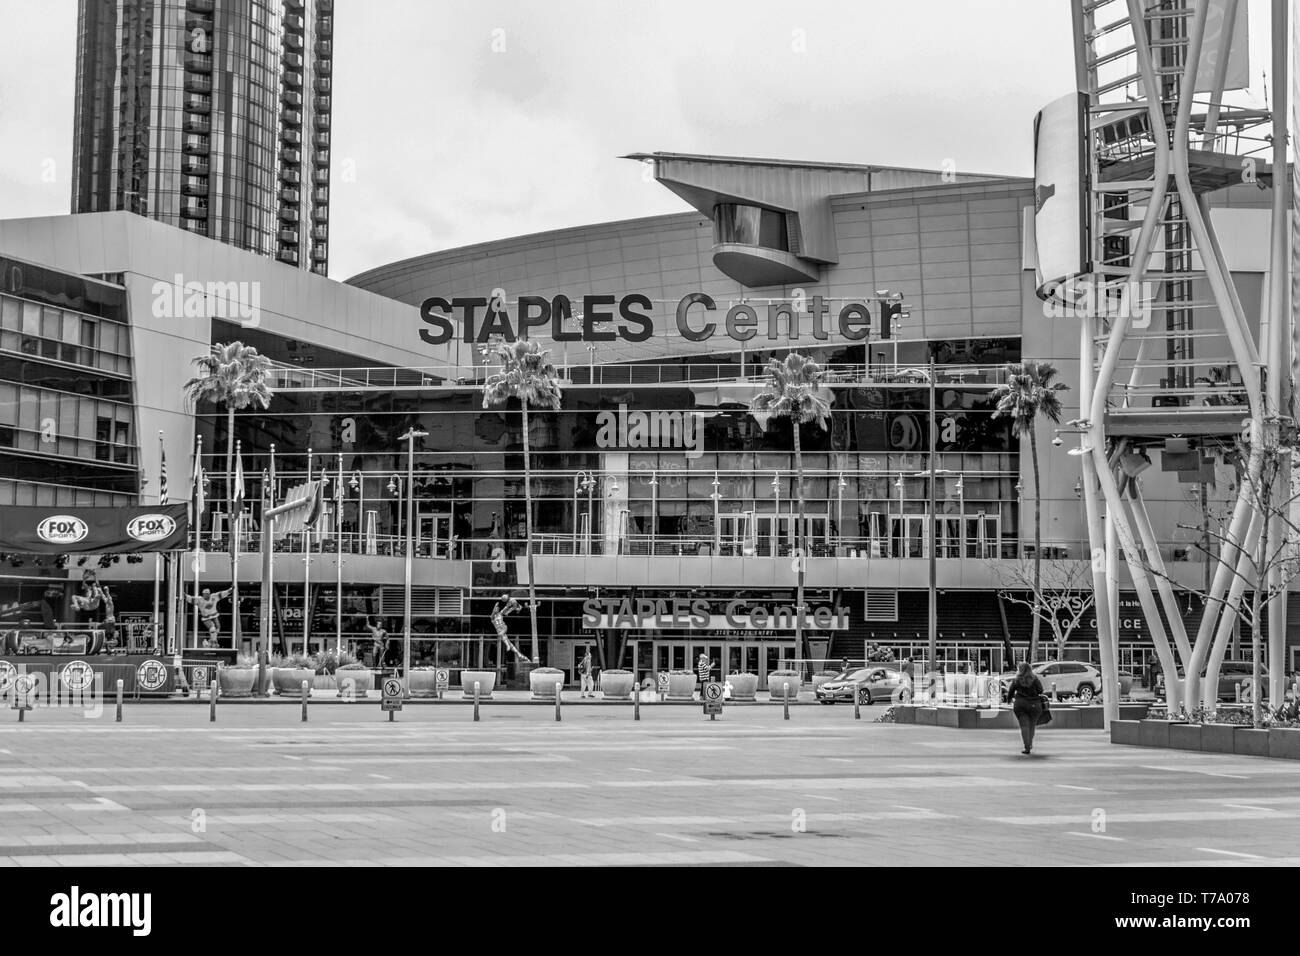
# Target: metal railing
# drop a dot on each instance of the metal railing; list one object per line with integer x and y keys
{"x": 296, "y": 378}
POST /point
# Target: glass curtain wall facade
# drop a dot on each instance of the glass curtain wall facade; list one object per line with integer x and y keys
{"x": 211, "y": 115}
{"x": 67, "y": 414}
{"x": 672, "y": 469}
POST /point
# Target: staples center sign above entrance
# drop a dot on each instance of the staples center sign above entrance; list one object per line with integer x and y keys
{"x": 606, "y": 318}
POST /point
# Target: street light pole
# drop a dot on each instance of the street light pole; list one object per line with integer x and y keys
{"x": 411, "y": 435}
{"x": 934, "y": 568}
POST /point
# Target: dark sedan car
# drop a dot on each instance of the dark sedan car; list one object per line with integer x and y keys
{"x": 873, "y": 684}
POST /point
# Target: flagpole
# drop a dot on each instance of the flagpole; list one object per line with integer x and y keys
{"x": 238, "y": 512}
{"x": 157, "y": 558}
{"x": 338, "y": 561}
{"x": 198, "y": 528}
{"x": 306, "y": 572}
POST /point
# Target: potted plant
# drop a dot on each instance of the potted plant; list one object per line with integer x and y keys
{"x": 743, "y": 686}
{"x": 616, "y": 683}
{"x": 778, "y": 681}
{"x": 237, "y": 679}
{"x": 290, "y": 672}
{"x": 353, "y": 678}
{"x": 542, "y": 680}
{"x": 486, "y": 680}
{"x": 423, "y": 682}
{"x": 681, "y": 685}
{"x": 326, "y": 663}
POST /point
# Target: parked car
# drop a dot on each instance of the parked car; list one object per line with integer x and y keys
{"x": 1231, "y": 673}
{"x": 1072, "y": 679}
{"x": 874, "y": 683}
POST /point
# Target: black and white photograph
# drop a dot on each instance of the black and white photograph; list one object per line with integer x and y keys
{"x": 717, "y": 436}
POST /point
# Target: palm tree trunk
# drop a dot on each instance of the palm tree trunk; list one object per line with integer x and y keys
{"x": 1038, "y": 546}
{"x": 528, "y": 533}
{"x": 799, "y": 541}
{"x": 233, "y": 525}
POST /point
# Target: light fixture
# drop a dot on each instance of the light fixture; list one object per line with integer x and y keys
{"x": 394, "y": 483}
{"x": 960, "y": 487}
{"x": 1020, "y": 488}
{"x": 1058, "y": 441}
{"x": 355, "y": 483}
{"x": 842, "y": 483}
{"x": 613, "y": 486}
{"x": 1081, "y": 450}
{"x": 1078, "y": 487}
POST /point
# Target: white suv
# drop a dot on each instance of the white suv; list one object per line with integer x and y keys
{"x": 1073, "y": 678}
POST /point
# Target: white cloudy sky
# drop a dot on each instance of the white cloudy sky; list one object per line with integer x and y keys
{"x": 441, "y": 141}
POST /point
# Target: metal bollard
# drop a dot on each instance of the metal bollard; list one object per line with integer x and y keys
{"x": 476, "y": 687}
{"x": 212, "y": 703}
{"x": 559, "y": 694}
{"x": 636, "y": 700}
{"x": 119, "y": 700}
{"x": 857, "y": 701}
{"x": 1054, "y": 697}
{"x": 786, "y": 689}
{"x": 306, "y": 690}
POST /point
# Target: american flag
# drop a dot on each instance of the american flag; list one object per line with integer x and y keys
{"x": 162, "y": 473}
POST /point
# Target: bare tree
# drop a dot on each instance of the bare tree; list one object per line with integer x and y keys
{"x": 1057, "y": 592}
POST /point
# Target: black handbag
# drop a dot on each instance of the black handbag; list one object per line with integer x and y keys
{"x": 1045, "y": 715}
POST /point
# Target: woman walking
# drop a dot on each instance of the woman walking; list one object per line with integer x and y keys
{"x": 1026, "y": 696}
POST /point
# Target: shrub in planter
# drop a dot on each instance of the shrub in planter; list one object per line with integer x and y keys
{"x": 616, "y": 683}
{"x": 289, "y": 674}
{"x": 354, "y": 680}
{"x": 486, "y": 680}
{"x": 326, "y": 662}
{"x": 542, "y": 681}
{"x": 778, "y": 681}
{"x": 681, "y": 685}
{"x": 239, "y": 678}
{"x": 743, "y": 686}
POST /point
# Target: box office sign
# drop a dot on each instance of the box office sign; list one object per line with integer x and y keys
{"x": 62, "y": 530}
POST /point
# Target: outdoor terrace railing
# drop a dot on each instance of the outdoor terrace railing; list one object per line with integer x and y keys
{"x": 296, "y": 378}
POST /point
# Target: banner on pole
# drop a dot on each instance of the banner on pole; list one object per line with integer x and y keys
{"x": 54, "y": 530}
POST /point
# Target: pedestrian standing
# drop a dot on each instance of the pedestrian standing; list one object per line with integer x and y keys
{"x": 1026, "y": 694}
{"x": 584, "y": 673}
{"x": 702, "y": 668}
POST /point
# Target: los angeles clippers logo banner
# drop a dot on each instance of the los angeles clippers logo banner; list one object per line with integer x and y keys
{"x": 44, "y": 530}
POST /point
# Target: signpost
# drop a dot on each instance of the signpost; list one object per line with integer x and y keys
{"x": 442, "y": 680}
{"x": 392, "y": 696}
{"x": 713, "y": 699}
{"x": 24, "y": 690}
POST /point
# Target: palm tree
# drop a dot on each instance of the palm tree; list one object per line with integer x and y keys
{"x": 234, "y": 376}
{"x": 1030, "y": 393}
{"x": 527, "y": 375}
{"x": 794, "y": 391}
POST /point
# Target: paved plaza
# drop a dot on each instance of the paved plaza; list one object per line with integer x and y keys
{"x": 435, "y": 788}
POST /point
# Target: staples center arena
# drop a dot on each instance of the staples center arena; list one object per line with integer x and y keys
{"x": 664, "y": 510}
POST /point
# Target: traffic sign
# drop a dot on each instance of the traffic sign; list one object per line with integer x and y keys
{"x": 392, "y": 697}
{"x": 200, "y": 677}
{"x": 713, "y": 698}
{"x": 24, "y": 688}
{"x": 442, "y": 679}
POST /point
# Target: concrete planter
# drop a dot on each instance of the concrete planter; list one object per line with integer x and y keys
{"x": 1133, "y": 711}
{"x": 542, "y": 681}
{"x": 1153, "y": 733}
{"x": 1185, "y": 736}
{"x": 423, "y": 683}
{"x": 1126, "y": 732}
{"x": 236, "y": 681}
{"x": 819, "y": 679}
{"x": 1249, "y": 742}
{"x": 778, "y": 681}
{"x": 681, "y": 685}
{"x": 487, "y": 680}
{"x": 904, "y": 714}
{"x": 1284, "y": 742}
{"x": 288, "y": 680}
{"x": 323, "y": 682}
{"x": 354, "y": 683}
{"x": 743, "y": 686}
{"x": 1218, "y": 738}
{"x": 927, "y": 716}
{"x": 616, "y": 684}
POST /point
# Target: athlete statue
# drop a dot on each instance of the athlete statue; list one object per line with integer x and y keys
{"x": 207, "y": 605}
{"x": 507, "y": 605}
